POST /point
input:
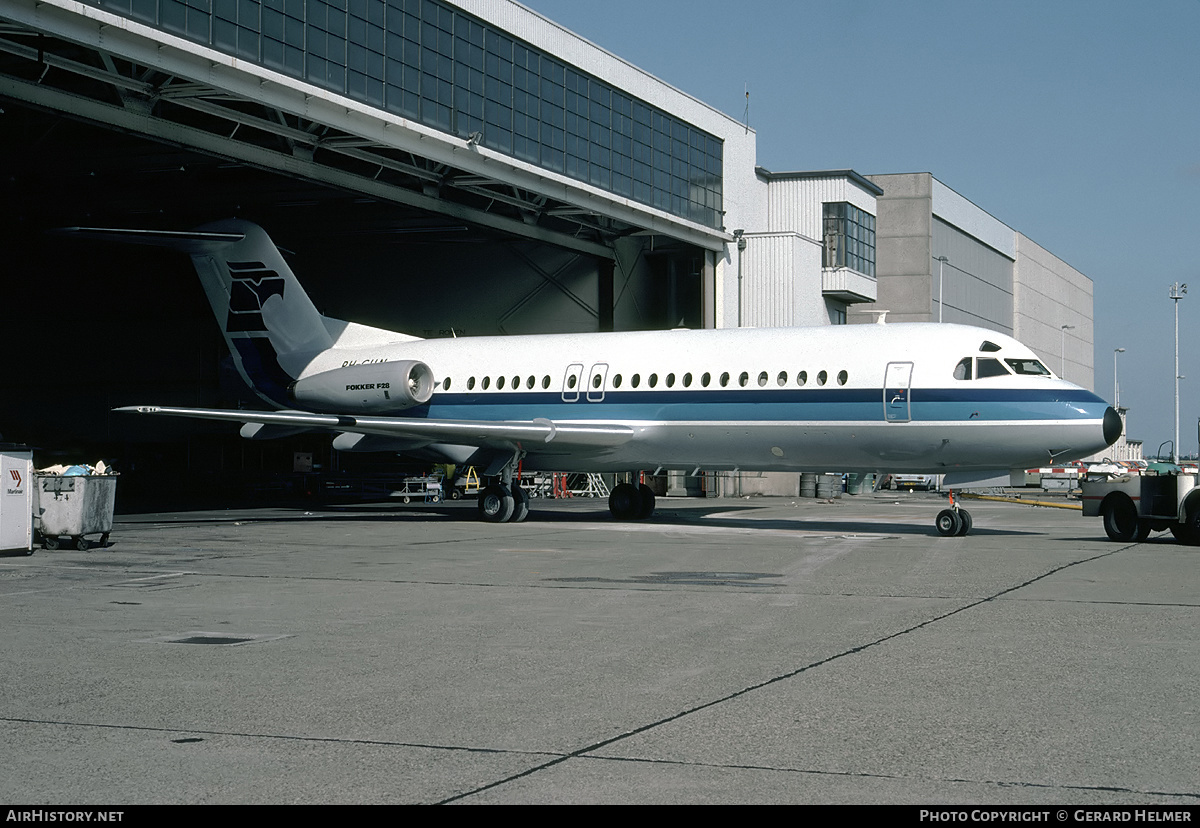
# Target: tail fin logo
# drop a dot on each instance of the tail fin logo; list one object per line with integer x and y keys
{"x": 253, "y": 284}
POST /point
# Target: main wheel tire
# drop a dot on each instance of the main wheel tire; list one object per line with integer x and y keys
{"x": 1120, "y": 520}
{"x": 647, "y": 495}
{"x": 496, "y": 504}
{"x": 965, "y": 518}
{"x": 625, "y": 501}
{"x": 520, "y": 504}
{"x": 948, "y": 523}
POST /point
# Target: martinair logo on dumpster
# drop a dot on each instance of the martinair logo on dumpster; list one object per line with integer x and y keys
{"x": 253, "y": 284}
{"x": 15, "y": 474}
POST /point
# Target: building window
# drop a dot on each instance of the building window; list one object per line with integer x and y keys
{"x": 849, "y": 238}
{"x": 426, "y": 60}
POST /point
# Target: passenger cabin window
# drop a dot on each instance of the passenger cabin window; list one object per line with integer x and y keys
{"x": 988, "y": 367}
{"x": 962, "y": 371}
{"x": 1028, "y": 367}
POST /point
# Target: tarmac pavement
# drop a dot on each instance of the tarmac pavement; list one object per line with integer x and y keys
{"x": 770, "y": 650}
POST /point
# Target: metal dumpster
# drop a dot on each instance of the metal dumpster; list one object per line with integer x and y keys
{"x": 73, "y": 506}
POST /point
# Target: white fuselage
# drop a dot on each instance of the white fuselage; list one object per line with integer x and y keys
{"x": 851, "y": 398}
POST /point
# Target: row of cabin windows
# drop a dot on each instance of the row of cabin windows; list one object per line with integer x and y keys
{"x": 635, "y": 381}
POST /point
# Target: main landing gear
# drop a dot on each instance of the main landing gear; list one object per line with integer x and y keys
{"x": 500, "y": 503}
{"x": 629, "y": 502}
{"x": 506, "y": 501}
{"x": 953, "y": 521}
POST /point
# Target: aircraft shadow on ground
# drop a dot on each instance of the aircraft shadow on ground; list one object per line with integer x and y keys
{"x": 714, "y": 517}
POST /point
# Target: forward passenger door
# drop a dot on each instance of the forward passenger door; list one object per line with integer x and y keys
{"x": 897, "y": 406}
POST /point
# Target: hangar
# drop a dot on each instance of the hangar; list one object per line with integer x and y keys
{"x": 437, "y": 167}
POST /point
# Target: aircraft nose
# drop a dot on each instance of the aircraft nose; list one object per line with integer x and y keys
{"x": 1112, "y": 426}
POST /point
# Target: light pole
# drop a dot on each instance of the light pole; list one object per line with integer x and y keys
{"x": 1177, "y": 293}
{"x": 1116, "y": 385}
{"x": 1062, "y": 351}
{"x": 941, "y": 260}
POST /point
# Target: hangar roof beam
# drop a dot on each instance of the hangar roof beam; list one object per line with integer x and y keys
{"x": 234, "y": 92}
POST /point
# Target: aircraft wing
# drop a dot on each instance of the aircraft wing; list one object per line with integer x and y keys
{"x": 493, "y": 434}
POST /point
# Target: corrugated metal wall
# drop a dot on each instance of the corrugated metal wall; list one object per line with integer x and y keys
{"x": 979, "y": 280}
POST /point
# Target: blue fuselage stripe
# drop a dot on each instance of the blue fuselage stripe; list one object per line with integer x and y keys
{"x": 822, "y": 405}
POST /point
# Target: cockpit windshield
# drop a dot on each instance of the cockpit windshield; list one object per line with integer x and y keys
{"x": 984, "y": 367}
{"x": 1028, "y": 367}
{"x": 988, "y": 367}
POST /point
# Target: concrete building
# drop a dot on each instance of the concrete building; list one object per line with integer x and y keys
{"x": 942, "y": 258}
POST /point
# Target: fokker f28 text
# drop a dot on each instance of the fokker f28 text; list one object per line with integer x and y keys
{"x": 923, "y": 398}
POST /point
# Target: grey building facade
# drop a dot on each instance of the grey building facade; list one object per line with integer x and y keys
{"x": 942, "y": 258}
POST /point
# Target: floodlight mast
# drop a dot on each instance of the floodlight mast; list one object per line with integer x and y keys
{"x": 1177, "y": 292}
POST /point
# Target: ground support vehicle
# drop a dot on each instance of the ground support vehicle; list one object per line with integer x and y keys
{"x": 924, "y": 482}
{"x": 1134, "y": 505}
{"x": 427, "y": 489}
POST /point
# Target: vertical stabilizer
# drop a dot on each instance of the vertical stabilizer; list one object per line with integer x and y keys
{"x": 269, "y": 323}
{"x": 271, "y": 326}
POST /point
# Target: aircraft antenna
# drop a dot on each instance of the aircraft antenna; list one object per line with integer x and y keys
{"x": 746, "y": 115}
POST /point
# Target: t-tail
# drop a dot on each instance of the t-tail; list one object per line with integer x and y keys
{"x": 272, "y": 328}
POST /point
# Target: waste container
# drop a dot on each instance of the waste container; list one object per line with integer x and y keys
{"x": 74, "y": 506}
{"x": 16, "y": 497}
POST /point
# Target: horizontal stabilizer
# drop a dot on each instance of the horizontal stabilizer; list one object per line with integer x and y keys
{"x": 192, "y": 242}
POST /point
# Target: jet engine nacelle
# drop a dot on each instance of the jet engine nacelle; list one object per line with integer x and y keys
{"x": 366, "y": 389}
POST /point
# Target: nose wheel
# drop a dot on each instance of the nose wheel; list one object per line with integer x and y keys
{"x": 953, "y": 521}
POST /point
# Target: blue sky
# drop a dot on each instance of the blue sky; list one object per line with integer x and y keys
{"x": 1075, "y": 122}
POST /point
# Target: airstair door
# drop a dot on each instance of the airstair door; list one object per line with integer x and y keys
{"x": 897, "y": 406}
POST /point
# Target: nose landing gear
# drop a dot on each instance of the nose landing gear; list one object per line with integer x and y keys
{"x": 953, "y": 521}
